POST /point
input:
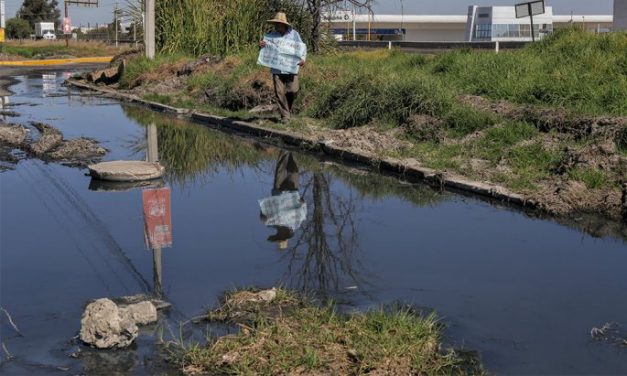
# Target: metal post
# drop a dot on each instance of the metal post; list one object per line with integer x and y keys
{"x": 149, "y": 29}
{"x": 354, "y": 25}
{"x": 533, "y": 33}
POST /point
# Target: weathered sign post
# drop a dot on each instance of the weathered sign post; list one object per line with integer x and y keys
{"x": 67, "y": 23}
{"x": 530, "y": 9}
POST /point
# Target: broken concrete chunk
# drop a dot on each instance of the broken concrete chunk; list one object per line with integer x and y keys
{"x": 107, "y": 76}
{"x": 103, "y": 327}
{"x": 126, "y": 170}
{"x": 141, "y": 313}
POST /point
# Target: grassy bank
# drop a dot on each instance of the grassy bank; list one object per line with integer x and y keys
{"x": 44, "y": 49}
{"x": 289, "y": 335}
{"x": 549, "y": 117}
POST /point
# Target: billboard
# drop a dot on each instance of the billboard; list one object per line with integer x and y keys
{"x": 83, "y": 3}
{"x": 532, "y": 8}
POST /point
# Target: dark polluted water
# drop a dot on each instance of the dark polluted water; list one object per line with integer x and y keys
{"x": 524, "y": 292}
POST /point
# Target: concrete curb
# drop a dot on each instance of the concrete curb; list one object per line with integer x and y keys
{"x": 408, "y": 168}
{"x": 36, "y": 63}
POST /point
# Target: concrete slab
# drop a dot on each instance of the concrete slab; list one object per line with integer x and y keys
{"x": 126, "y": 171}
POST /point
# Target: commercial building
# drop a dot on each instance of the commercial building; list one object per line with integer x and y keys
{"x": 479, "y": 24}
{"x": 620, "y": 15}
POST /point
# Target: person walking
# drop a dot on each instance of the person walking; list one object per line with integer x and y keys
{"x": 286, "y": 85}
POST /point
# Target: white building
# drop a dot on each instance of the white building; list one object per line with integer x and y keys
{"x": 620, "y": 15}
{"x": 454, "y": 28}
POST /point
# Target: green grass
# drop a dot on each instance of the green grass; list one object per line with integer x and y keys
{"x": 312, "y": 339}
{"x": 575, "y": 72}
{"x": 593, "y": 179}
{"x": 48, "y": 49}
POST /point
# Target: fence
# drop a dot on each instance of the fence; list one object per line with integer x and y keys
{"x": 431, "y": 47}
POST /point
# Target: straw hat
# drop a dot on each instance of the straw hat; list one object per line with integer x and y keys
{"x": 283, "y": 244}
{"x": 280, "y": 18}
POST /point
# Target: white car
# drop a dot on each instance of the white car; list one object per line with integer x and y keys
{"x": 49, "y": 35}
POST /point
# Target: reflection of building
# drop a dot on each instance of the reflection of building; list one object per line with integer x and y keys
{"x": 451, "y": 28}
{"x": 620, "y": 15}
{"x": 49, "y": 84}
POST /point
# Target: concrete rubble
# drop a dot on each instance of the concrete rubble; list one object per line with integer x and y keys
{"x": 105, "y": 325}
{"x": 126, "y": 171}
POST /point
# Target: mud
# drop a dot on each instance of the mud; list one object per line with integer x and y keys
{"x": 568, "y": 197}
{"x": 601, "y": 156}
{"x": 425, "y": 128}
{"x": 17, "y": 143}
{"x": 365, "y": 139}
{"x": 550, "y": 119}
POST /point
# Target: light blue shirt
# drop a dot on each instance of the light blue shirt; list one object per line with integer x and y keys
{"x": 290, "y": 35}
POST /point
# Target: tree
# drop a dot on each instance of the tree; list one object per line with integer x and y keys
{"x": 35, "y": 11}
{"x": 316, "y": 7}
{"x": 18, "y": 28}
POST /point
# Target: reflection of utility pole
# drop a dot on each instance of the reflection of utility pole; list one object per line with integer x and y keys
{"x": 149, "y": 29}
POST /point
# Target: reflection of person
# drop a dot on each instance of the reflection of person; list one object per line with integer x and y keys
{"x": 286, "y": 85}
{"x": 285, "y": 210}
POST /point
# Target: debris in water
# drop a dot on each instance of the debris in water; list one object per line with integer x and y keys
{"x": 104, "y": 325}
{"x": 126, "y": 171}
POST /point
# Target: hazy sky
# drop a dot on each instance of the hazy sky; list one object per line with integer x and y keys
{"x": 105, "y": 12}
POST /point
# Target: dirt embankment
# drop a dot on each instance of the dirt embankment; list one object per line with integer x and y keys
{"x": 17, "y": 142}
{"x": 593, "y": 143}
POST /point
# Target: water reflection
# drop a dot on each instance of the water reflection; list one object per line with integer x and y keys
{"x": 156, "y": 205}
{"x": 190, "y": 152}
{"x": 285, "y": 210}
{"x": 325, "y": 257}
{"x": 49, "y": 84}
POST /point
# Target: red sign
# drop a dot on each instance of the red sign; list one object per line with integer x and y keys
{"x": 157, "y": 219}
{"x": 67, "y": 26}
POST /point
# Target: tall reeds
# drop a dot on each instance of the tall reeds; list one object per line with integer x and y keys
{"x": 217, "y": 26}
{"x": 209, "y": 26}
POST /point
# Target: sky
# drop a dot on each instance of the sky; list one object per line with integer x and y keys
{"x": 103, "y": 14}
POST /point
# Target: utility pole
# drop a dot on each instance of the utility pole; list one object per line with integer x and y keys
{"x": 67, "y": 36}
{"x": 115, "y": 20}
{"x": 149, "y": 29}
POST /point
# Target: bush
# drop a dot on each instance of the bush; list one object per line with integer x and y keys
{"x": 18, "y": 28}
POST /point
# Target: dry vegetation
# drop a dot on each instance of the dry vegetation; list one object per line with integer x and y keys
{"x": 290, "y": 336}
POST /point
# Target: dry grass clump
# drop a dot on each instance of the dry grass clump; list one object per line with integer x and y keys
{"x": 310, "y": 340}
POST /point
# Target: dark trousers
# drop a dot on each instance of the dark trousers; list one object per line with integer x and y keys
{"x": 285, "y": 89}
